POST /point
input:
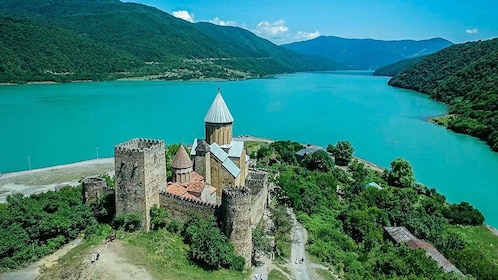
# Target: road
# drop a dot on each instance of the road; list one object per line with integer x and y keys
{"x": 300, "y": 269}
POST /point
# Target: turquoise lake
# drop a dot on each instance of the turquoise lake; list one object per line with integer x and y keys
{"x": 64, "y": 123}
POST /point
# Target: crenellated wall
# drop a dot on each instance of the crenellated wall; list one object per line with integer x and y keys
{"x": 182, "y": 209}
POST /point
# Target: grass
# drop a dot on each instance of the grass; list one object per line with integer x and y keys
{"x": 325, "y": 274}
{"x": 276, "y": 275}
{"x": 164, "y": 255}
{"x": 480, "y": 238}
{"x": 161, "y": 253}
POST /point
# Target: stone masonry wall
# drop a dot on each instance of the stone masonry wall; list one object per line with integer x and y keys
{"x": 140, "y": 172}
{"x": 182, "y": 209}
{"x": 93, "y": 188}
{"x": 236, "y": 221}
{"x": 257, "y": 183}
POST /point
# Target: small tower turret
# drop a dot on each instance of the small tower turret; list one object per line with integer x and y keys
{"x": 182, "y": 166}
{"x": 202, "y": 160}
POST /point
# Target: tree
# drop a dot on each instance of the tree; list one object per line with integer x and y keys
{"x": 208, "y": 246}
{"x": 401, "y": 174}
{"x": 343, "y": 152}
{"x": 463, "y": 214}
{"x": 319, "y": 160}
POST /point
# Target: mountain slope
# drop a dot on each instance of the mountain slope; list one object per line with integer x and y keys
{"x": 167, "y": 44}
{"x": 397, "y": 67}
{"x": 37, "y": 52}
{"x": 366, "y": 53}
{"x": 465, "y": 77}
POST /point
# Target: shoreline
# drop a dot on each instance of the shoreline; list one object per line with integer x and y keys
{"x": 56, "y": 167}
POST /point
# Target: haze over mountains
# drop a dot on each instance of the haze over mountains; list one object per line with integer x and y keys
{"x": 108, "y": 39}
{"x": 366, "y": 53}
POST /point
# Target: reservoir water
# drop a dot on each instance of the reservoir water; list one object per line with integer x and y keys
{"x": 45, "y": 125}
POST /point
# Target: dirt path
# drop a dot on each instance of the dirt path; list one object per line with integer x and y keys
{"x": 302, "y": 268}
{"x": 111, "y": 264}
{"x": 33, "y": 271}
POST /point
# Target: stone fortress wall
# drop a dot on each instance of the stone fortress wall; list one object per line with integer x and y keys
{"x": 140, "y": 174}
{"x": 236, "y": 220}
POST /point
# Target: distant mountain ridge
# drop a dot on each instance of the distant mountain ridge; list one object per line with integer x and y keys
{"x": 366, "y": 53}
{"x": 157, "y": 43}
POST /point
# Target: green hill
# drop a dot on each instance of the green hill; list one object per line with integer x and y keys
{"x": 38, "y": 52}
{"x": 155, "y": 41}
{"x": 464, "y": 76}
{"x": 397, "y": 67}
{"x": 366, "y": 53}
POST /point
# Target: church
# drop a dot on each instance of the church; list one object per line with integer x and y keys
{"x": 216, "y": 162}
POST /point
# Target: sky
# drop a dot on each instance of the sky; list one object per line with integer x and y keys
{"x": 288, "y": 21}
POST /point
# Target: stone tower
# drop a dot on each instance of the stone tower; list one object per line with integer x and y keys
{"x": 182, "y": 166}
{"x": 236, "y": 221}
{"x": 202, "y": 160}
{"x": 140, "y": 172}
{"x": 218, "y": 122}
{"x": 93, "y": 188}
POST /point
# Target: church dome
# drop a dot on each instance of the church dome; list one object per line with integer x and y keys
{"x": 218, "y": 112}
{"x": 181, "y": 160}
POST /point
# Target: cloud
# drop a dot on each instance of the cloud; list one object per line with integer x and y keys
{"x": 185, "y": 15}
{"x": 275, "y": 30}
{"x": 218, "y": 21}
{"x": 472, "y": 31}
{"x": 302, "y": 35}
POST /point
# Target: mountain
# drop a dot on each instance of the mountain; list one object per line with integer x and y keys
{"x": 366, "y": 53}
{"x": 397, "y": 67}
{"x": 156, "y": 42}
{"x": 464, "y": 76}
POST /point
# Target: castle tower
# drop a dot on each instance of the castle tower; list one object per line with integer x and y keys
{"x": 236, "y": 221}
{"x": 182, "y": 166}
{"x": 218, "y": 122}
{"x": 140, "y": 172}
{"x": 202, "y": 160}
{"x": 93, "y": 188}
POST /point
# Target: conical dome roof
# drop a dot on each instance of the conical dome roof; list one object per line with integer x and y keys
{"x": 181, "y": 159}
{"x": 218, "y": 112}
{"x": 202, "y": 146}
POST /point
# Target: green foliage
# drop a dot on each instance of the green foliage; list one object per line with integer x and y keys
{"x": 319, "y": 160}
{"x": 158, "y": 217}
{"x": 209, "y": 247}
{"x": 348, "y": 233}
{"x": 286, "y": 150}
{"x": 463, "y": 214}
{"x": 464, "y": 77}
{"x": 32, "y": 227}
{"x": 342, "y": 152}
{"x": 170, "y": 155}
{"x": 104, "y": 208}
{"x": 260, "y": 243}
{"x": 397, "y": 67}
{"x": 174, "y": 226}
{"x": 71, "y": 40}
{"x": 110, "y": 181}
{"x": 281, "y": 231}
{"x": 401, "y": 174}
{"x": 129, "y": 222}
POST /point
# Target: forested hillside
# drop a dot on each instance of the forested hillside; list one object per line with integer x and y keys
{"x": 397, "y": 67}
{"x": 366, "y": 53}
{"x": 132, "y": 40}
{"x": 465, "y": 77}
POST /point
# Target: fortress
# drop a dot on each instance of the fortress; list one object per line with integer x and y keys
{"x": 218, "y": 170}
